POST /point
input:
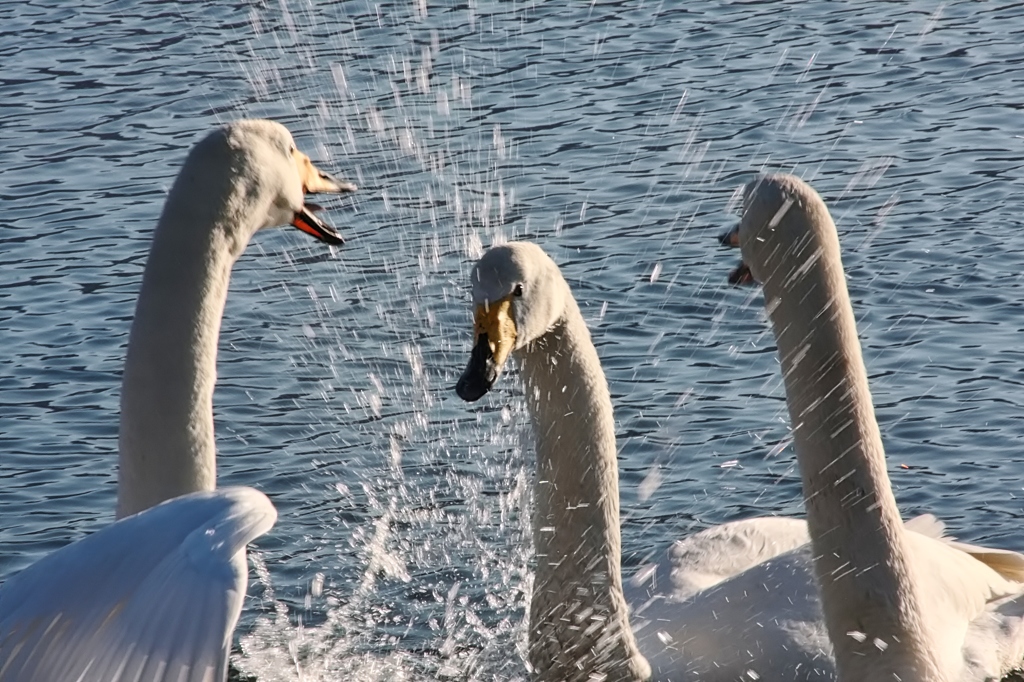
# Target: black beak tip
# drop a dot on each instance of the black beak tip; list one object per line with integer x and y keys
{"x": 480, "y": 374}
{"x": 332, "y": 238}
{"x": 471, "y": 388}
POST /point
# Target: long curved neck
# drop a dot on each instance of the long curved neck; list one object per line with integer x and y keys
{"x": 166, "y": 441}
{"x": 579, "y": 621}
{"x": 872, "y": 609}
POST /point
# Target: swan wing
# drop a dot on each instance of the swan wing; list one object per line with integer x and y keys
{"x": 766, "y": 620}
{"x": 152, "y": 597}
{"x": 1007, "y": 563}
{"x": 711, "y": 556}
{"x": 926, "y": 524}
{"x": 707, "y": 558}
{"x": 994, "y": 645}
{"x": 973, "y": 602}
{"x": 764, "y": 623}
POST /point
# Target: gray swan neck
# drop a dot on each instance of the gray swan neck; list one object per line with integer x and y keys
{"x": 579, "y": 617}
{"x": 872, "y": 609}
{"x": 166, "y": 441}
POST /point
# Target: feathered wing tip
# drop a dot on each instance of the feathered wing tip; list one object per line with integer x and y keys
{"x": 155, "y": 596}
{"x": 1007, "y": 563}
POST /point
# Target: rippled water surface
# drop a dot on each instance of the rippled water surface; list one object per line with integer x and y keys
{"x": 613, "y": 133}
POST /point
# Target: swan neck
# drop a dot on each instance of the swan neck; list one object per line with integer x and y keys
{"x": 861, "y": 558}
{"x": 579, "y": 618}
{"x": 166, "y": 440}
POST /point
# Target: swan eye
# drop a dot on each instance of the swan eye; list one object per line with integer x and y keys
{"x": 518, "y": 291}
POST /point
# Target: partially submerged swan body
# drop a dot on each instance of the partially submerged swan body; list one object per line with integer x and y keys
{"x": 156, "y": 596}
{"x": 897, "y": 604}
{"x": 736, "y": 601}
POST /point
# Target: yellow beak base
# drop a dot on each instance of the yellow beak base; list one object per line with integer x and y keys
{"x": 495, "y": 332}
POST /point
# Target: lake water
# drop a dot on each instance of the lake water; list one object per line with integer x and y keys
{"x": 613, "y": 133}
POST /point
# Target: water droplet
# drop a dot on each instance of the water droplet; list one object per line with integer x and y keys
{"x": 650, "y": 484}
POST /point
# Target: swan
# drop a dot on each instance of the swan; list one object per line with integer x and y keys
{"x": 156, "y": 595}
{"x": 897, "y": 605}
{"x": 243, "y": 177}
{"x": 153, "y": 597}
{"x": 736, "y": 601}
{"x": 579, "y": 617}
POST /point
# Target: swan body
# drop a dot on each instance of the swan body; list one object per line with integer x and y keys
{"x": 897, "y": 604}
{"x": 713, "y": 555}
{"x": 153, "y": 597}
{"x": 736, "y": 601}
{"x": 243, "y": 177}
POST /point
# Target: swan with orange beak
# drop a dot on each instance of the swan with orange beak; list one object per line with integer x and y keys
{"x": 507, "y": 316}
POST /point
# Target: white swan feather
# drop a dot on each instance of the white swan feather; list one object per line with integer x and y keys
{"x": 153, "y": 597}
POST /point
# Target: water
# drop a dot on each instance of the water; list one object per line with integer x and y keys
{"x": 615, "y": 134}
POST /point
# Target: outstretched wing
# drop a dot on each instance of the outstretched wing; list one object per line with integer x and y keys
{"x": 153, "y": 597}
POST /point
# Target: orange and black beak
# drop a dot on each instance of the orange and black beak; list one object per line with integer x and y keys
{"x": 741, "y": 273}
{"x": 315, "y": 181}
{"x": 495, "y": 332}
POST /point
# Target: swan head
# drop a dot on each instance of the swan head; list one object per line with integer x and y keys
{"x": 781, "y": 215}
{"x": 518, "y": 296}
{"x": 258, "y": 161}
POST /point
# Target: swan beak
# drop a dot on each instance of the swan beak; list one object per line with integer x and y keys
{"x": 741, "y": 274}
{"x": 306, "y": 221}
{"x": 316, "y": 181}
{"x": 495, "y": 337}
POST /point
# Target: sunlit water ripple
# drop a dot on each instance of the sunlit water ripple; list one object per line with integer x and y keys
{"x": 613, "y": 133}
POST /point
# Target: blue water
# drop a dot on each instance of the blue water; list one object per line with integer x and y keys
{"x": 613, "y": 133}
